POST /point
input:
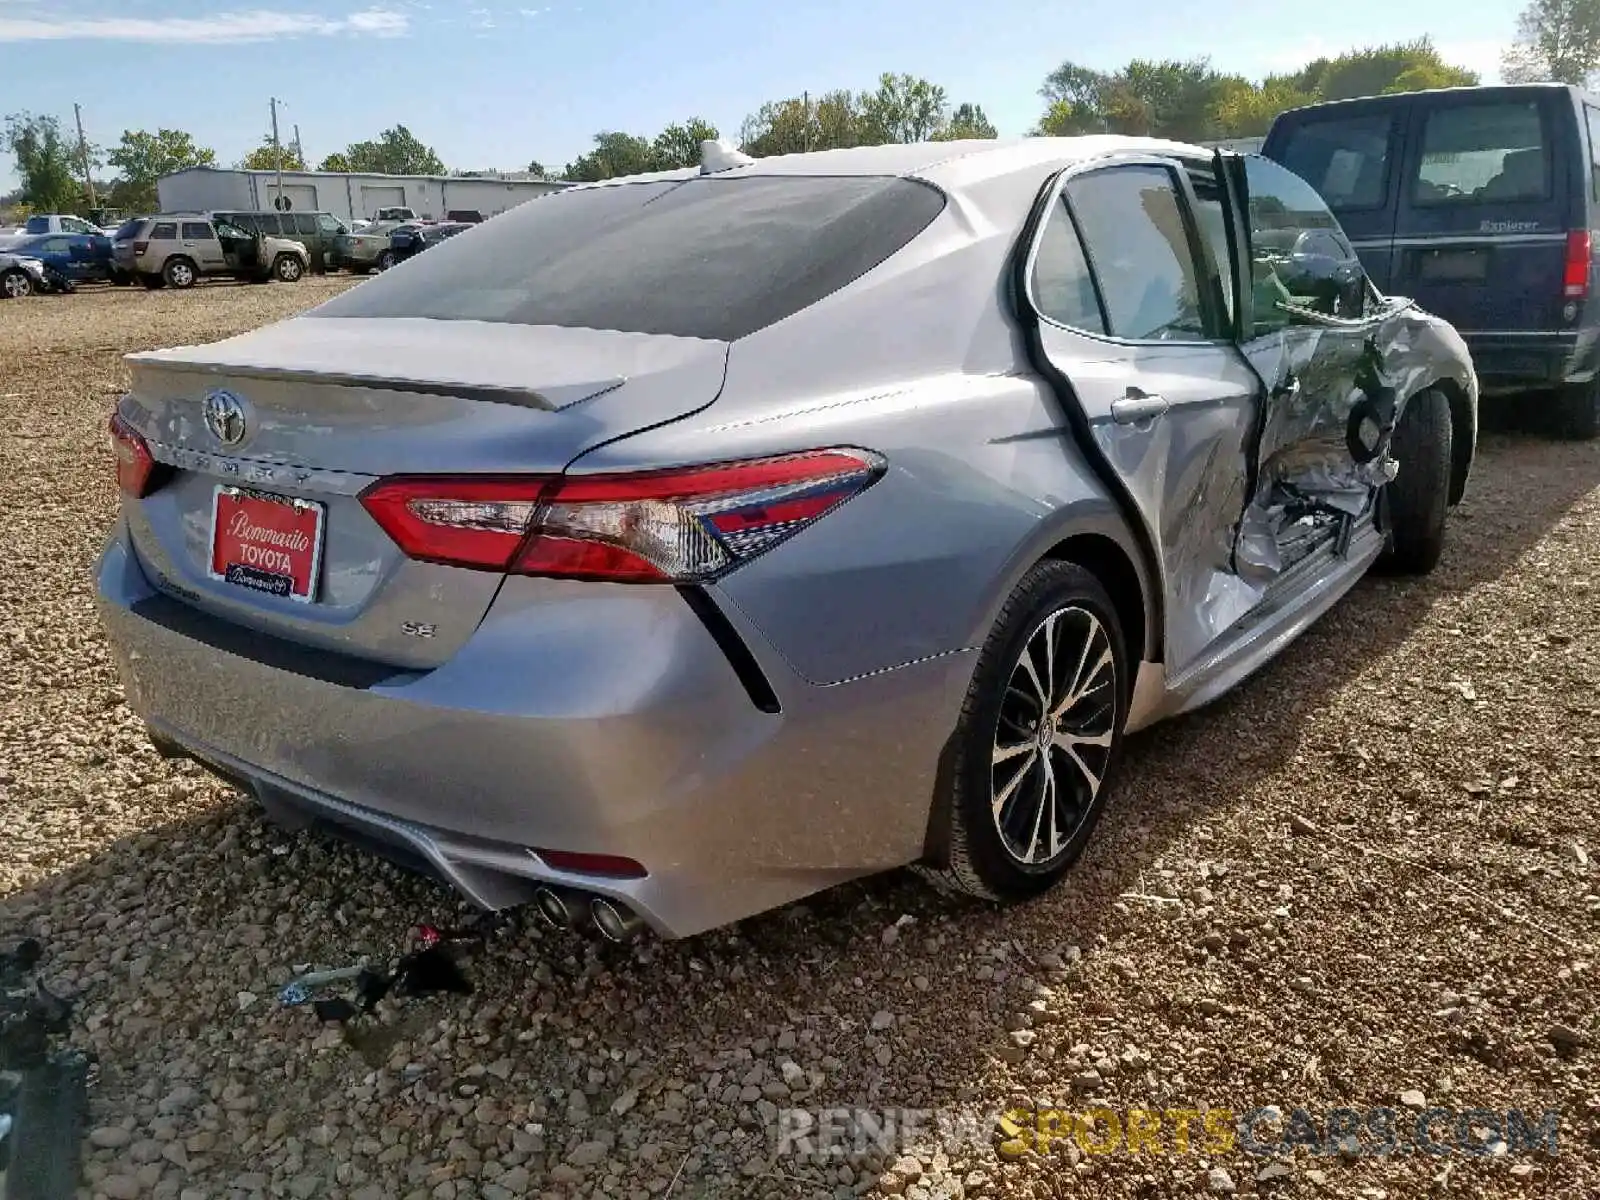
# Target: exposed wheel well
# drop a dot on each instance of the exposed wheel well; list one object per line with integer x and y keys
{"x": 1465, "y": 436}
{"x": 1110, "y": 564}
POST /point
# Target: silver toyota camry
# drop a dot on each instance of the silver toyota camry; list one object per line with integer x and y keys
{"x": 667, "y": 549}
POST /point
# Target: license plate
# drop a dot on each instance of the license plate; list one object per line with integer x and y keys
{"x": 1455, "y": 266}
{"x": 266, "y": 543}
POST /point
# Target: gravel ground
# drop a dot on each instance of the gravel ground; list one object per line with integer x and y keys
{"x": 1364, "y": 879}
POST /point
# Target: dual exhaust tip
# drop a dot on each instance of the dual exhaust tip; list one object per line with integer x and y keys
{"x": 563, "y": 909}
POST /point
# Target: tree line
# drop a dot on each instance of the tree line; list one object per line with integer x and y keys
{"x": 1184, "y": 100}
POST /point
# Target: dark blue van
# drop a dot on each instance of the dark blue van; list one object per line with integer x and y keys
{"x": 1479, "y": 204}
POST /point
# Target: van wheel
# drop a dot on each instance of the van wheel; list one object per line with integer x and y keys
{"x": 1419, "y": 494}
{"x": 153, "y": 282}
{"x": 180, "y": 273}
{"x": 1578, "y": 411}
{"x": 1037, "y": 741}
{"x": 287, "y": 268}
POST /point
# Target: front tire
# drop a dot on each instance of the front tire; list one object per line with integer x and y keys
{"x": 287, "y": 268}
{"x": 1419, "y": 495}
{"x": 15, "y": 284}
{"x": 1578, "y": 411}
{"x": 386, "y": 260}
{"x": 180, "y": 273}
{"x": 1038, "y": 738}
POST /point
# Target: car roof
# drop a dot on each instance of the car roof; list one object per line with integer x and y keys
{"x": 947, "y": 164}
{"x": 1392, "y": 99}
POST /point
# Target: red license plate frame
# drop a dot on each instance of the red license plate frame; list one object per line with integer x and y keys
{"x": 266, "y": 543}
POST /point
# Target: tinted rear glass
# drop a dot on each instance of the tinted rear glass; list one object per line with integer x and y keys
{"x": 166, "y": 231}
{"x": 1346, "y": 159}
{"x": 705, "y": 258}
{"x": 37, "y": 225}
{"x": 129, "y": 228}
{"x": 1483, "y": 153}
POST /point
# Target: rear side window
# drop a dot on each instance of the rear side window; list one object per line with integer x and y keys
{"x": 1483, "y": 153}
{"x": 1592, "y": 116}
{"x": 196, "y": 231}
{"x": 303, "y": 222}
{"x": 1138, "y": 244}
{"x": 703, "y": 258}
{"x": 165, "y": 231}
{"x": 37, "y": 225}
{"x": 267, "y": 223}
{"x": 1346, "y": 159}
{"x": 1061, "y": 286}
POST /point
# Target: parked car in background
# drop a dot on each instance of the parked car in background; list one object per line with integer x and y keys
{"x": 368, "y": 249}
{"x": 1479, "y": 203}
{"x": 687, "y": 592}
{"x": 20, "y": 276}
{"x": 469, "y": 215}
{"x": 395, "y": 212}
{"x": 408, "y": 240}
{"x": 179, "y": 250}
{"x": 80, "y": 257}
{"x": 43, "y": 223}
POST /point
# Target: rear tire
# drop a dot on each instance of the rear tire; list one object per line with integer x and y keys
{"x": 180, "y": 273}
{"x": 1419, "y": 495}
{"x": 15, "y": 284}
{"x": 1018, "y": 803}
{"x": 1578, "y": 411}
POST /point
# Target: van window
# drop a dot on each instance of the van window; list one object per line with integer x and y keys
{"x": 1346, "y": 158}
{"x": 1592, "y": 115}
{"x": 1483, "y": 153}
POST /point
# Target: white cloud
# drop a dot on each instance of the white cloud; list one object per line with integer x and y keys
{"x": 256, "y": 26}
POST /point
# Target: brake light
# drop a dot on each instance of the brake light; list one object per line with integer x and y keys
{"x": 1575, "y": 277}
{"x": 140, "y": 247}
{"x": 593, "y": 864}
{"x": 134, "y": 462}
{"x": 673, "y": 526}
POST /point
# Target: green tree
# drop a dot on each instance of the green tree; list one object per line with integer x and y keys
{"x": 394, "y": 152}
{"x": 143, "y": 157}
{"x": 537, "y": 170}
{"x": 265, "y": 158}
{"x": 1373, "y": 70}
{"x": 678, "y": 145}
{"x": 905, "y": 108}
{"x": 44, "y": 162}
{"x": 334, "y": 162}
{"x": 614, "y": 154}
{"x": 1556, "y": 40}
{"x": 967, "y": 121}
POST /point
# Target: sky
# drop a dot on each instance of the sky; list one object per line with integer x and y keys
{"x": 499, "y": 83}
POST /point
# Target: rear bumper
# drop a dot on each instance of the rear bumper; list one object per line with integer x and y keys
{"x": 578, "y": 718}
{"x": 1508, "y": 362}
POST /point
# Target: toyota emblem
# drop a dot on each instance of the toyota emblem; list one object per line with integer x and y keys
{"x": 225, "y": 417}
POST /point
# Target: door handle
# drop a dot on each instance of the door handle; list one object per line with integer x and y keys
{"x": 1136, "y": 407}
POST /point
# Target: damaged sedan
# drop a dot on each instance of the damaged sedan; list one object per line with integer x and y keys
{"x": 675, "y": 547}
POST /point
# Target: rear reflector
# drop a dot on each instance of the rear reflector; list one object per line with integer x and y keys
{"x": 134, "y": 463}
{"x": 593, "y": 864}
{"x": 1575, "y": 276}
{"x": 678, "y": 526}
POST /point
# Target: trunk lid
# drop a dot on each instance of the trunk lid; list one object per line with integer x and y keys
{"x": 325, "y": 406}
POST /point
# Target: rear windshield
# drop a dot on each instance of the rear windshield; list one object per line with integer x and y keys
{"x": 1483, "y": 153}
{"x": 704, "y": 257}
{"x": 129, "y": 228}
{"x": 1346, "y": 159}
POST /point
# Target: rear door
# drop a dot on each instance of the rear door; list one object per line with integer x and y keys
{"x": 1351, "y": 154}
{"x": 1125, "y": 282}
{"x": 200, "y": 243}
{"x": 1484, "y": 208}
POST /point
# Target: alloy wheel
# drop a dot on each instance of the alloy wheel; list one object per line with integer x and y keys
{"x": 1053, "y": 738}
{"x": 17, "y": 285}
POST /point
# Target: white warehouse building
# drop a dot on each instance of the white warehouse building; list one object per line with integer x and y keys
{"x": 349, "y": 197}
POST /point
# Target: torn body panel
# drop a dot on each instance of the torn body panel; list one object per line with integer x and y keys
{"x": 1334, "y": 393}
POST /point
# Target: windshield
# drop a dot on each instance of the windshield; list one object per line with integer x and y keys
{"x": 703, "y": 258}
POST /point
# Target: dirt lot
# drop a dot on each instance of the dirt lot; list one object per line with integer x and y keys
{"x": 1367, "y": 873}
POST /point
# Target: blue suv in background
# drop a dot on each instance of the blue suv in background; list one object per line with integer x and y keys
{"x": 1479, "y": 203}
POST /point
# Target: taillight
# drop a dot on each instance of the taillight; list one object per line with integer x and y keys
{"x": 134, "y": 462}
{"x": 140, "y": 247}
{"x": 1575, "y": 277}
{"x": 673, "y": 526}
